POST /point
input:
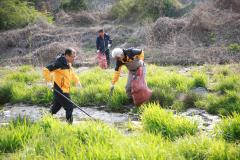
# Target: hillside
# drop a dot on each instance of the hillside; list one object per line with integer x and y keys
{"x": 208, "y": 33}
{"x": 189, "y": 88}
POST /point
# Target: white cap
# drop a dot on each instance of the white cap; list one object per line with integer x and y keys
{"x": 117, "y": 52}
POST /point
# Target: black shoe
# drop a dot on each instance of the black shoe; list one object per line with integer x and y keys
{"x": 70, "y": 120}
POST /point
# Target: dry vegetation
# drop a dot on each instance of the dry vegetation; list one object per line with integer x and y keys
{"x": 201, "y": 37}
{"x": 204, "y": 35}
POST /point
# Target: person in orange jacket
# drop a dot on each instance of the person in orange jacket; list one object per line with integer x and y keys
{"x": 59, "y": 76}
{"x": 132, "y": 58}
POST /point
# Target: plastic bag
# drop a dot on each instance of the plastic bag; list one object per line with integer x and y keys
{"x": 140, "y": 91}
{"x": 102, "y": 61}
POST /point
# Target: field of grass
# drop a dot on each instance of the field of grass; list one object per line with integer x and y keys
{"x": 51, "y": 139}
{"x": 25, "y": 84}
{"x": 162, "y": 135}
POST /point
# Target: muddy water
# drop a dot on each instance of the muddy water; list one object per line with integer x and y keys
{"x": 206, "y": 121}
{"x": 36, "y": 112}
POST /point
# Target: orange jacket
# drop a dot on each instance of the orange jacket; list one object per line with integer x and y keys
{"x": 61, "y": 73}
{"x": 129, "y": 55}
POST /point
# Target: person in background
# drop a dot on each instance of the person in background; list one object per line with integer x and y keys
{"x": 62, "y": 72}
{"x": 132, "y": 58}
{"x": 103, "y": 43}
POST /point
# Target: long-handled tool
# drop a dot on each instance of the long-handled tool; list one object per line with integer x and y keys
{"x": 74, "y": 104}
{"x": 111, "y": 92}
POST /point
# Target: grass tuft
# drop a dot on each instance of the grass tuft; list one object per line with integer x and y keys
{"x": 221, "y": 104}
{"x": 199, "y": 80}
{"x": 229, "y": 128}
{"x": 157, "y": 120}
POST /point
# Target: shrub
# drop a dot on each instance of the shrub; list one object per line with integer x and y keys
{"x": 212, "y": 38}
{"x": 16, "y": 13}
{"x": 157, "y": 120}
{"x": 123, "y": 8}
{"x": 76, "y": 5}
{"x": 229, "y": 128}
{"x": 138, "y": 10}
{"x": 235, "y": 47}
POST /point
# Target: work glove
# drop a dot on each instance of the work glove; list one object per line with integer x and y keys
{"x": 141, "y": 62}
{"x": 109, "y": 45}
{"x": 50, "y": 85}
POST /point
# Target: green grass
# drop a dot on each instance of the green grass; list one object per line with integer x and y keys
{"x": 166, "y": 85}
{"x": 229, "y": 128}
{"x": 26, "y": 84}
{"x": 202, "y": 147}
{"x": 52, "y": 139}
{"x": 15, "y": 135}
{"x": 221, "y": 104}
{"x": 229, "y": 83}
{"x": 5, "y": 93}
{"x": 16, "y": 92}
{"x": 200, "y": 80}
{"x": 163, "y": 135}
{"x": 23, "y": 77}
{"x": 25, "y": 74}
{"x": 158, "y": 121}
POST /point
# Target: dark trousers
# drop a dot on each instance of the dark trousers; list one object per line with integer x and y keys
{"x": 107, "y": 52}
{"x": 60, "y": 101}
